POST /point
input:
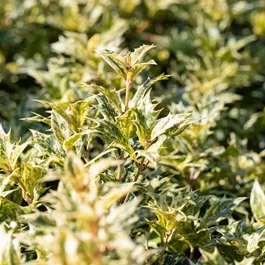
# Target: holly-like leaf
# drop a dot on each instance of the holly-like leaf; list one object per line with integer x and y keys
{"x": 145, "y": 119}
{"x": 255, "y": 239}
{"x": 9, "y": 254}
{"x": 219, "y": 210}
{"x": 31, "y": 179}
{"x": 257, "y": 202}
{"x": 58, "y": 108}
{"x": 38, "y": 118}
{"x": 79, "y": 111}
{"x": 106, "y": 108}
{"x": 9, "y": 152}
{"x": 60, "y": 127}
{"x": 214, "y": 258}
{"x": 112, "y": 95}
{"x": 9, "y": 210}
{"x": 69, "y": 142}
{"x": 116, "y": 62}
{"x": 138, "y": 68}
{"x": 6, "y": 148}
{"x": 113, "y": 135}
{"x": 138, "y": 53}
{"x": 172, "y": 122}
{"x": 127, "y": 66}
{"x": 124, "y": 122}
{"x": 47, "y": 144}
{"x": 143, "y": 132}
{"x": 152, "y": 153}
{"x": 144, "y": 89}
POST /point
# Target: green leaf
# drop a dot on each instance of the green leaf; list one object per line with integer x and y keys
{"x": 9, "y": 179}
{"x": 69, "y": 142}
{"x": 31, "y": 179}
{"x": 127, "y": 66}
{"x": 142, "y": 130}
{"x": 116, "y": 62}
{"x": 60, "y": 127}
{"x": 16, "y": 152}
{"x": 6, "y": 148}
{"x": 57, "y": 108}
{"x": 138, "y": 53}
{"x": 112, "y": 135}
{"x": 9, "y": 255}
{"x": 124, "y": 122}
{"x": 38, "y": 118}
{"x": 176, "y": 122}
{"x": 257, "y": 202}
{"x": 106, "y": 108}
{"x": 145, "y": 119}
{"x": 138, "y": 68}
{"x": 255, "y": 239}
{"x": 9, "y": 152}
{"x": 112, "y": 95}
{"x": 219, "y": 210}
{"x": 214, "y": 258}
{"x": 9, "y": 210}
{"x": 47, "y": 144}
{"x": 79, "y": 111}
{"x": 145, "y": 88}
{"x": 152, "y": 153}
{"x": 193, "y": 209}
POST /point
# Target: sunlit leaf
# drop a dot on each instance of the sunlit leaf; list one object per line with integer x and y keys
{"x": 257, "y": 202}
{"x": 176, "y": 122}
{"x": 115, "y": 61}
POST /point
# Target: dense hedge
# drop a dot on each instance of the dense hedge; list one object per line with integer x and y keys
{"x": 124, "y": 164}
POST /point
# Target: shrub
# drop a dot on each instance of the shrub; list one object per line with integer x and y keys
{"x": 123, "y": 164}
{"x": 135, "y": 214}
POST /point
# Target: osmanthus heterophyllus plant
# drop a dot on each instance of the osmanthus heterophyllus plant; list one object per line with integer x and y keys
{"x": 13, "y": 170}
{"x": 131, "y": 128}
{"x": 102, "y": 211}
{"x": 134, "y": 126}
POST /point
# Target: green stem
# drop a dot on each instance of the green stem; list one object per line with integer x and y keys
{"x": 191, "y": 253}
{"x": 128, "y": 88}
{"x": 128, "y": 84}
{"x": 140, "y": 168}
{"x": 121, "y": 167}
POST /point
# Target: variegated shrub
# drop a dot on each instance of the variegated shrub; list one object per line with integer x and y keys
{"x": 99, "y": 186}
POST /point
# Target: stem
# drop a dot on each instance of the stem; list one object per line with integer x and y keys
{"x": 191, "y": 253}
{"x": 140, "y": 168}
{"x": 120, "y": 167}
{"x": 128, "y": 84}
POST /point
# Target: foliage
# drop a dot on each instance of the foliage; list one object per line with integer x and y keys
{"x": 123, "y": 164}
